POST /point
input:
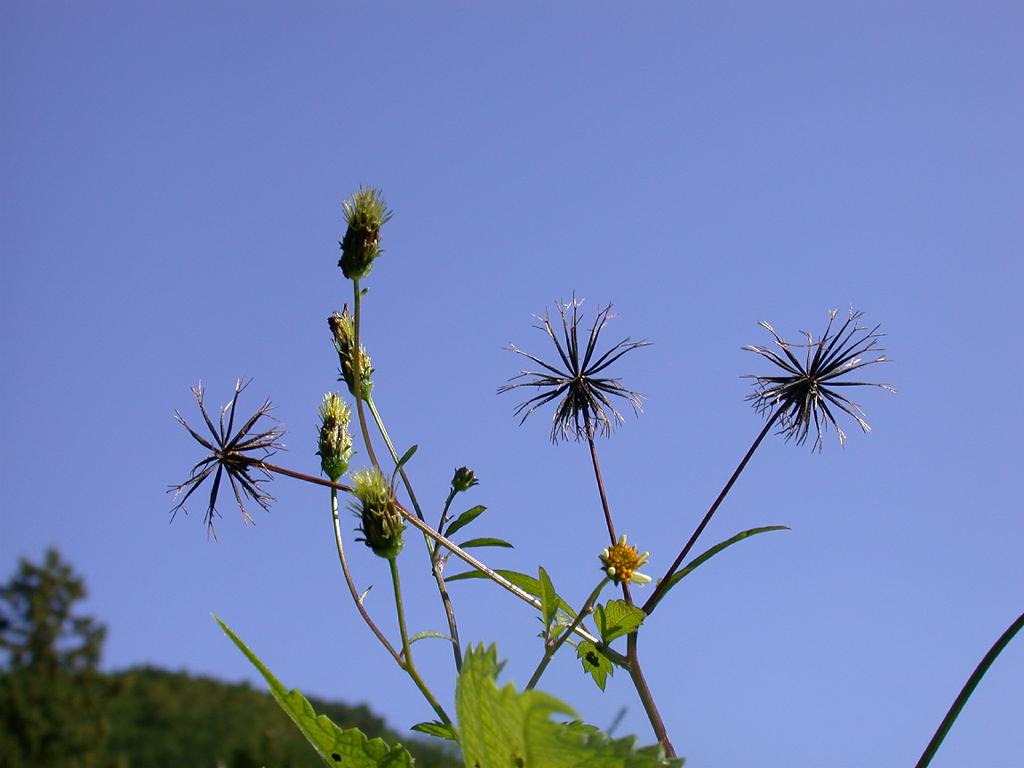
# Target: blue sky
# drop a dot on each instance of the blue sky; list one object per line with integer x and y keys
{"x": 172, "y": 180}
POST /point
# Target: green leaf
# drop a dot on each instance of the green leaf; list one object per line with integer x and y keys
{"x": 617, "y": 618}
{"x": 401, "y": 462}
{"x": 521, "y": 580}
{"x": 465, "y": 519}
{"x": 435, "y": 728}
{"x": 485, "y": 542}
{"x": 595, "y": 663}
{"x": 705, "y": 556}
{"x": 548, "y": 598}
{"x": 503, "y": 728}
{"x": 336, "y": 747}
{"x": 428, "y": 633}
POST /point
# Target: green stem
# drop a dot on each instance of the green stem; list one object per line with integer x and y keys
{"x": 406, "y": 662}
{"x": 551, "y": 647}
{"x": 967, "y": 690}
{"x": 357, "y": 377}
{"x": 446, "y": 601}
{"x": 458, "y": 551}
{"x": 351, "y": 584}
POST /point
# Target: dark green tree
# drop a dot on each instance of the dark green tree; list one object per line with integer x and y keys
{"x": 51, "y": 695}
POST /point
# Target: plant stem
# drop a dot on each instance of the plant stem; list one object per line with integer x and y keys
{"x": 636, "y": 674}
{"x": 357, "y": 377}
{"x": 967, "y": 690}
{"x": 497, "y": 578}
{"x": 407, "y": 663}
{"x": 663, "y": 583}
{"x": 351, "y": 584}
{"x": 600, "y": 481}
{"x": 446, "y": 601}
{"x": 551, "y": 648}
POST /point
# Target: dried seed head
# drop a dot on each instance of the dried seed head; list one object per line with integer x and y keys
{"x": 584, "y": 406}
{"x": 381, "y": 522}
{"x": 231, "y": 455}
{"x": 806, "y": 391}
{"x": 621, "y": 561}
{"x": 343, "y": 331}
{"x": 335, "y": 443}
{"x": 365, "y": 213}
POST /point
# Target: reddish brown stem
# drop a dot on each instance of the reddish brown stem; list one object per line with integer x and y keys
{"x": 663, "y": 584}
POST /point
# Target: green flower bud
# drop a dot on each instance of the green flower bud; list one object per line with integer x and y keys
{"x": 365, "y": 213}
{"x": 382, "y": 523}
{"x": 343, "y": 329}
{"x": 335, "y": 441}
{"x": 464, "y": 479}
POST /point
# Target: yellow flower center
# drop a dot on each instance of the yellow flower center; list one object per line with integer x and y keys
{"x": 623, "y": 558}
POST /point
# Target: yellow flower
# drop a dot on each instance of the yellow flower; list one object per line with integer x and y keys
{"x": 621, "y": 562}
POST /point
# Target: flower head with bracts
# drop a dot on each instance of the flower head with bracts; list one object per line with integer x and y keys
{"x": 585, "y": 407}
{"x": 230, "y": 454}
{"x": 805, "y": 393}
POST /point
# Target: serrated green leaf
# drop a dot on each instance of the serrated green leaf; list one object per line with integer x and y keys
{"x": 548, "y": 598}
{"x": 617, "y": 618}
{"x": 336, "y": 747}
{"x": 503, "y": 728}
{"x": 465, "y": 519}
{"x": 595, "y": 663}
{"x": 485, "y": 542}
{"x": 435, "y": 728}
{"x": 428, "y": 633}
{"x": 705, "y": 556}
{"x": 521, "y": 580}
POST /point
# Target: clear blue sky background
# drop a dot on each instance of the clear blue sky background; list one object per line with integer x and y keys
{"x": 171, "y": 181}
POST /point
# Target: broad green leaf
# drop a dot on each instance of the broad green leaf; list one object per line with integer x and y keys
{"x": 435, "y": 728}
{"x": 465, "y": 519}
{"x": 521, "y": 580}
{"x": 428, "y": 633}
{"x": 342, "y": 748}
{"x": 595, "y": 663}
{"x": 705, "y": 556}
{"x": 617, "y": 618}
{"x": 548, "y": 598}
{"x": 485, "y": 542}
{"x": 503, "y": 728}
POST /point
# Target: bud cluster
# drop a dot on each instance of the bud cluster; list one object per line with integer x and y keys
{"x": 343, "y": 331}
{"x": 365, "y": 213}
{"x": 335, "y": 444}
{"x": 382, "y": 523}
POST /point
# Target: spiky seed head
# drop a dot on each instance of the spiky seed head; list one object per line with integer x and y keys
{"x": 343, "y": 332}
{"x": 335, "y": 443}
{"x": 806, "y": 391}
{"x": 621, "y": 562}
{"x": 365, "y": 213}
{"x": 576, "y": 379}
{"x": 381, "y": 522}
{"x": 464, "y": 479}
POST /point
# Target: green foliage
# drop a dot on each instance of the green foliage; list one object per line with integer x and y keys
{"x": 521, "y": 580}
{"x": 336, "y": 747}
{"x": 503, "y": 728}
{"x": 465, "y": 519}
{"x": 51, "y": 710}
{"x": 595, "y": 663}
{"x": 548, "y": 598}
{"x": 705, "y": 556}
{"x": 617, "y": 618}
